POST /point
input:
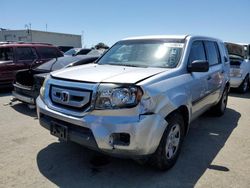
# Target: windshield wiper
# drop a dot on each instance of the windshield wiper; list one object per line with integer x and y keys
{"x": 126, "y": 65}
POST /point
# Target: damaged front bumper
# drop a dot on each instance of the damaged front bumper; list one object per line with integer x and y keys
{"x": 24, "y": 94}
{"x": 121, "y": 135}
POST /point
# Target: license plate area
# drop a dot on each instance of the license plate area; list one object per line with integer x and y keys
{"x": 59, "y": 130}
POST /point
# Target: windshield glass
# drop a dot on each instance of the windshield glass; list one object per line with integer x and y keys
{"x": 56, "y": 64}
{"x": 95, "y": 52}
{"x": 144, "y": 53}
{"x": 72, "y": 51}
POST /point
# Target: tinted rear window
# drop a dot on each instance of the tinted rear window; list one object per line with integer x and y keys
{"x": 6, "y": 54}
{"x": 48, "y": 52}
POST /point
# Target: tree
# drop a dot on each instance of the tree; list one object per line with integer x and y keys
{"x": 101, "y": 45}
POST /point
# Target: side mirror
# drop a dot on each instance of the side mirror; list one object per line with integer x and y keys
{"x": 198, "y": 66}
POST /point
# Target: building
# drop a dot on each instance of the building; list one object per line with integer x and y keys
{"x": 27, "y": 35}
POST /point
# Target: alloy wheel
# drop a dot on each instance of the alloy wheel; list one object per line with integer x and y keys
{"x": 173, "y": 141}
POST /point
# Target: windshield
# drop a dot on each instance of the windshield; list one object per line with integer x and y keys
{"x": 72, "y": 51}
{"x": 144, "y": 53}
{"x": 56, "y": 64}
{"x": 95, "y": 52}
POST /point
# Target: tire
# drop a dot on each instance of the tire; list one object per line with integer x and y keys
{"x": 220, "y": 107}
{"x": 244, "y": 85}
{"x": 170, "y": 145}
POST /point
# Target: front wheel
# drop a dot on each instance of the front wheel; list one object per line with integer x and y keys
{"x": 170, "y": 145}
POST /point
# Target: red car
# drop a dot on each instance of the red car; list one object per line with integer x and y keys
{"x": 16, "y": 56}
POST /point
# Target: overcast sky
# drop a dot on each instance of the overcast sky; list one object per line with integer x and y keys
{"x": 110, "y": 20}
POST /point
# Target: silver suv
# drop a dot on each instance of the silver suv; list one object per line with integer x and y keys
{"x": 139, "y": 98}
{"x": 239, "y": 55}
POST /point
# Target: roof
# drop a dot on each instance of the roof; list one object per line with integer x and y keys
{"x": 157, "y": 37}
{"x": 2, "y": 44}
{"x": 172, "y": 37}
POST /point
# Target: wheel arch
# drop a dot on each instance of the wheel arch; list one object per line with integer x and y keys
{"x": 184, "y": 111}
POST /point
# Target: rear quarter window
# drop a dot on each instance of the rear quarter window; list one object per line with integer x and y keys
{"x": 48, "y": 52}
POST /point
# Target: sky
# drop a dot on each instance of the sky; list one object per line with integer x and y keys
{"x": 111, "y": 20}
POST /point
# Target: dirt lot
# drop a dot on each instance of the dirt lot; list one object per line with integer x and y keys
{"x": 216, "y": 153}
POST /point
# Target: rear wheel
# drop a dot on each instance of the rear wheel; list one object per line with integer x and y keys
{"x": 221, "y": 106}
{"x": 244, "y": 85}
{"x": 169, "y": 148}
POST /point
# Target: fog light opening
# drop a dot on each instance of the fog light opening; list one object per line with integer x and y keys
{"x": 119, "y": 139}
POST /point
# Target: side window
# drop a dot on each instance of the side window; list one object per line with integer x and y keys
{"x": 6, "y": 54}
{"x": 197, "y": 52}
{"x": 212, "y": 53}
{"x": 25, "y": 53}
{"x": 48, "y": 52}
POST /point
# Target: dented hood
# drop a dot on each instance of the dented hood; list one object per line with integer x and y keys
{"x": 107, "y": 73}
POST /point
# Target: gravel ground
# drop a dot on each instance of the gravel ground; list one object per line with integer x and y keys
{"x": 216, "y": 153}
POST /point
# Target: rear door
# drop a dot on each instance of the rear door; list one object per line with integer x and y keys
{"x": 7, "y": 64}
{"x": 216, "y": 73}
{"x": 198, "y": 86}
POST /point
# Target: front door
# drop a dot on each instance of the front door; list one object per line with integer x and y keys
{"x": 199, "y": 86}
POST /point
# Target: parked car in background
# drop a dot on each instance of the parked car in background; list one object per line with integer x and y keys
{"x": 28, "y": 82}
{"x": 64, "y": 48}
{"x": 84, "y": 51}
{"x": 139, "y": 98}
{"x": 77, "y": 51}
{"x": 239, "y": 66}
{"x": 15, "y": 56}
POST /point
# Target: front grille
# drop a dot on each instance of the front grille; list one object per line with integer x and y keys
{"x": 70, "y": 98}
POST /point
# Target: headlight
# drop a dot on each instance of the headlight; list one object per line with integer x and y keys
{"x": 112, "y": 96}
{"x": 235, "y": 72}
{"x": 42, "y": 90}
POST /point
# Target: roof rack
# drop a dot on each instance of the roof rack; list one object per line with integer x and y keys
{"x": 22, "y": 42}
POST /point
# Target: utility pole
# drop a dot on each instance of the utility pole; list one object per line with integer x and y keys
{"x": 30, "y": 32}
{"x": 82, "y": 38}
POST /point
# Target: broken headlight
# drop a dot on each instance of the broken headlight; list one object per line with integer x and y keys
{"x": 112, "y": 96}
